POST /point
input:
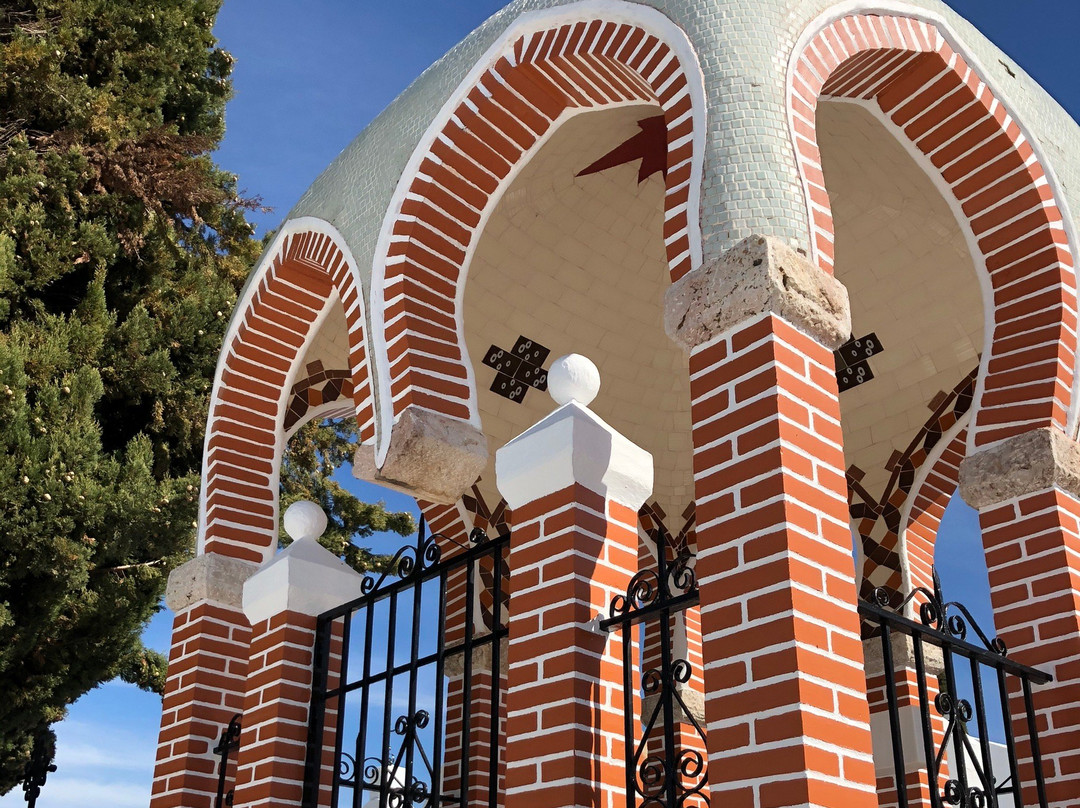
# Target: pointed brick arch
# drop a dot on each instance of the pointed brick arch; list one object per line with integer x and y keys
{"x": 1002, "y": 193}
{"x": 537, "y": 80}
{"x": 307, "y": 271}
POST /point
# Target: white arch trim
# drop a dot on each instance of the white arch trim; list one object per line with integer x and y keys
{"x": 292, "y": 227}
{"x": 948, "y": 33}
{"x": 617, "y": 11}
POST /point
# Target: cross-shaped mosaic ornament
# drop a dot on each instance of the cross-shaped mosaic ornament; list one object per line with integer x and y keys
{"x": 518, "y": 369}
{"x": 853, "y": 361}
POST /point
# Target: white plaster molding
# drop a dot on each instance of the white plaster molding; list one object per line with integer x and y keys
{"x": 620, "y": 11}
{"x": 946, "y": 31}
{"x": 305, "y": 577}
{"x": 304, "y": 224}
{"x": 573, "y": 446}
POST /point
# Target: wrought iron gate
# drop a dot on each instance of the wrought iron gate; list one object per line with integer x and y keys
{"x": 959, "y": 763}
{"x": 661, "y": 772}
{"x": 402, "y": 693}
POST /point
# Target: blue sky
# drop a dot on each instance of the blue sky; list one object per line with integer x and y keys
{"x": 308, "y": 78}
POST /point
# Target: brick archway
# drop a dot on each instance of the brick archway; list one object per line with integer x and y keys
{"x": 933, "y": 97}
{"x": 553, "y": 65}
{"x": 307, "y": 270}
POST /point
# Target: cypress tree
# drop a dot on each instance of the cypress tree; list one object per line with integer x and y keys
{"x": 122, "y": 251}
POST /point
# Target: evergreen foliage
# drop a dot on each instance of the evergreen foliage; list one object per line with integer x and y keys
{"x": 122, "y": 250}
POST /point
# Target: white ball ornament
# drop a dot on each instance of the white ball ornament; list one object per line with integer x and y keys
{"x": 304, "y": 520}
{"x": 573, "y": 378}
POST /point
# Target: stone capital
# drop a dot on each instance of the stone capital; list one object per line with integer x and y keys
{"x": 1034, "y": 461}
{"x": 903, "y": 653}
{"x": 573, "y": 446}
{"x": 210, "y": 577}
{"x": 759, "y": 275}
{"x": 305, "y": 577}
{"x": 430, "y": 457}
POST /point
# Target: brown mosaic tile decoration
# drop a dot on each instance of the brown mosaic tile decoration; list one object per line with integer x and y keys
{"x": 652, "y": 518}
{"x": 877, "y": 519}
{"x": 495, "y": 522}
{"x": 317, "y": 388}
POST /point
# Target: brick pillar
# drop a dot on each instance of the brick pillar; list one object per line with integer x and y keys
{"x": 282, "y": 601}
{"x": 786, "y": 692}
{"x": 1027, "y": 492}
{"x": 575, "y": 486}
{"x": 207, "y": 675}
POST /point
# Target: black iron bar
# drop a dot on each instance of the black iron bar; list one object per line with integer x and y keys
{"x": 671, "y": 605}
{"x": 959, "y": 735}
{"x": 317, "y": 718}
{"x": 1010, "y": 741}
{"x": 667, "y": 680}
{"x": 1033, "y": 734}
{"x": 924, "y": 716}
{"x": 414, "y": 653}
{"x": 495, "y": 741}
{"x": 427, "y": 659}
{"x": 386, "y": 775}
{"x": 466, "y": 681}
{"x": 424, "y": 573}
{"x": 346, "y": 633}
{"x": 629, "y": 692}
{"x": 365, "y": 705}
{"x": 229, "y": 741}
{"x": 416, "y": 570}
{"x": 984, "y": 736}
{"x": 440, "y": 718}
{"x": 889, "y": 675}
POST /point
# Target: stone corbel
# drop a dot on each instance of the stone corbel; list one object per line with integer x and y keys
{"x": 431, "y": 457}
{"x": 210, "y": 577}
{"x": 1034, "y": 461}
{"x": 759, "y": 275}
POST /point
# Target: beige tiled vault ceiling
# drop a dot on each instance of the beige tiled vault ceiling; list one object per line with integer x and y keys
{"x": 331, "y": 344}
{"x": 578, "y": 264}
{"x": 908, "y": 269}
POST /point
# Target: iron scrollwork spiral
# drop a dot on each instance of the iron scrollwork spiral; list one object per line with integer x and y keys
{"x": 409, "y": 562}
{"x": 680, "y": 772}
{"x": 948, "y": 617}
{"x": 387, "y": 775}
{"x": 656, "y": 587}
{"x": 665, "y": 770}
{"x": 957, "y": 713}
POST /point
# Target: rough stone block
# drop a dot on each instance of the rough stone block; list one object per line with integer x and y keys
{"x": 759, "y": 275}
{"x": 209, "y": 577}
{"x": 431, "y": 457}
{"x": 1035, "y": 461}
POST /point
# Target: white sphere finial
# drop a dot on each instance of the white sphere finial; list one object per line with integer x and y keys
{"x": 573, "y": 378}
{"x": 304, "y": 520}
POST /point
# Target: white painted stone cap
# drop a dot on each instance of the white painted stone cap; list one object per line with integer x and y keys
{"x": 305, "y": 577}
{"x": 572, "y": 446}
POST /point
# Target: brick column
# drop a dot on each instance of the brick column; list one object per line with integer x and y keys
{"x": 282, "y": 601}
{"x": 575, "y": 486}
{"x": 207, "y": 676}
{"x": 1027, "y": 492}
{"x": 786, "y": 692}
